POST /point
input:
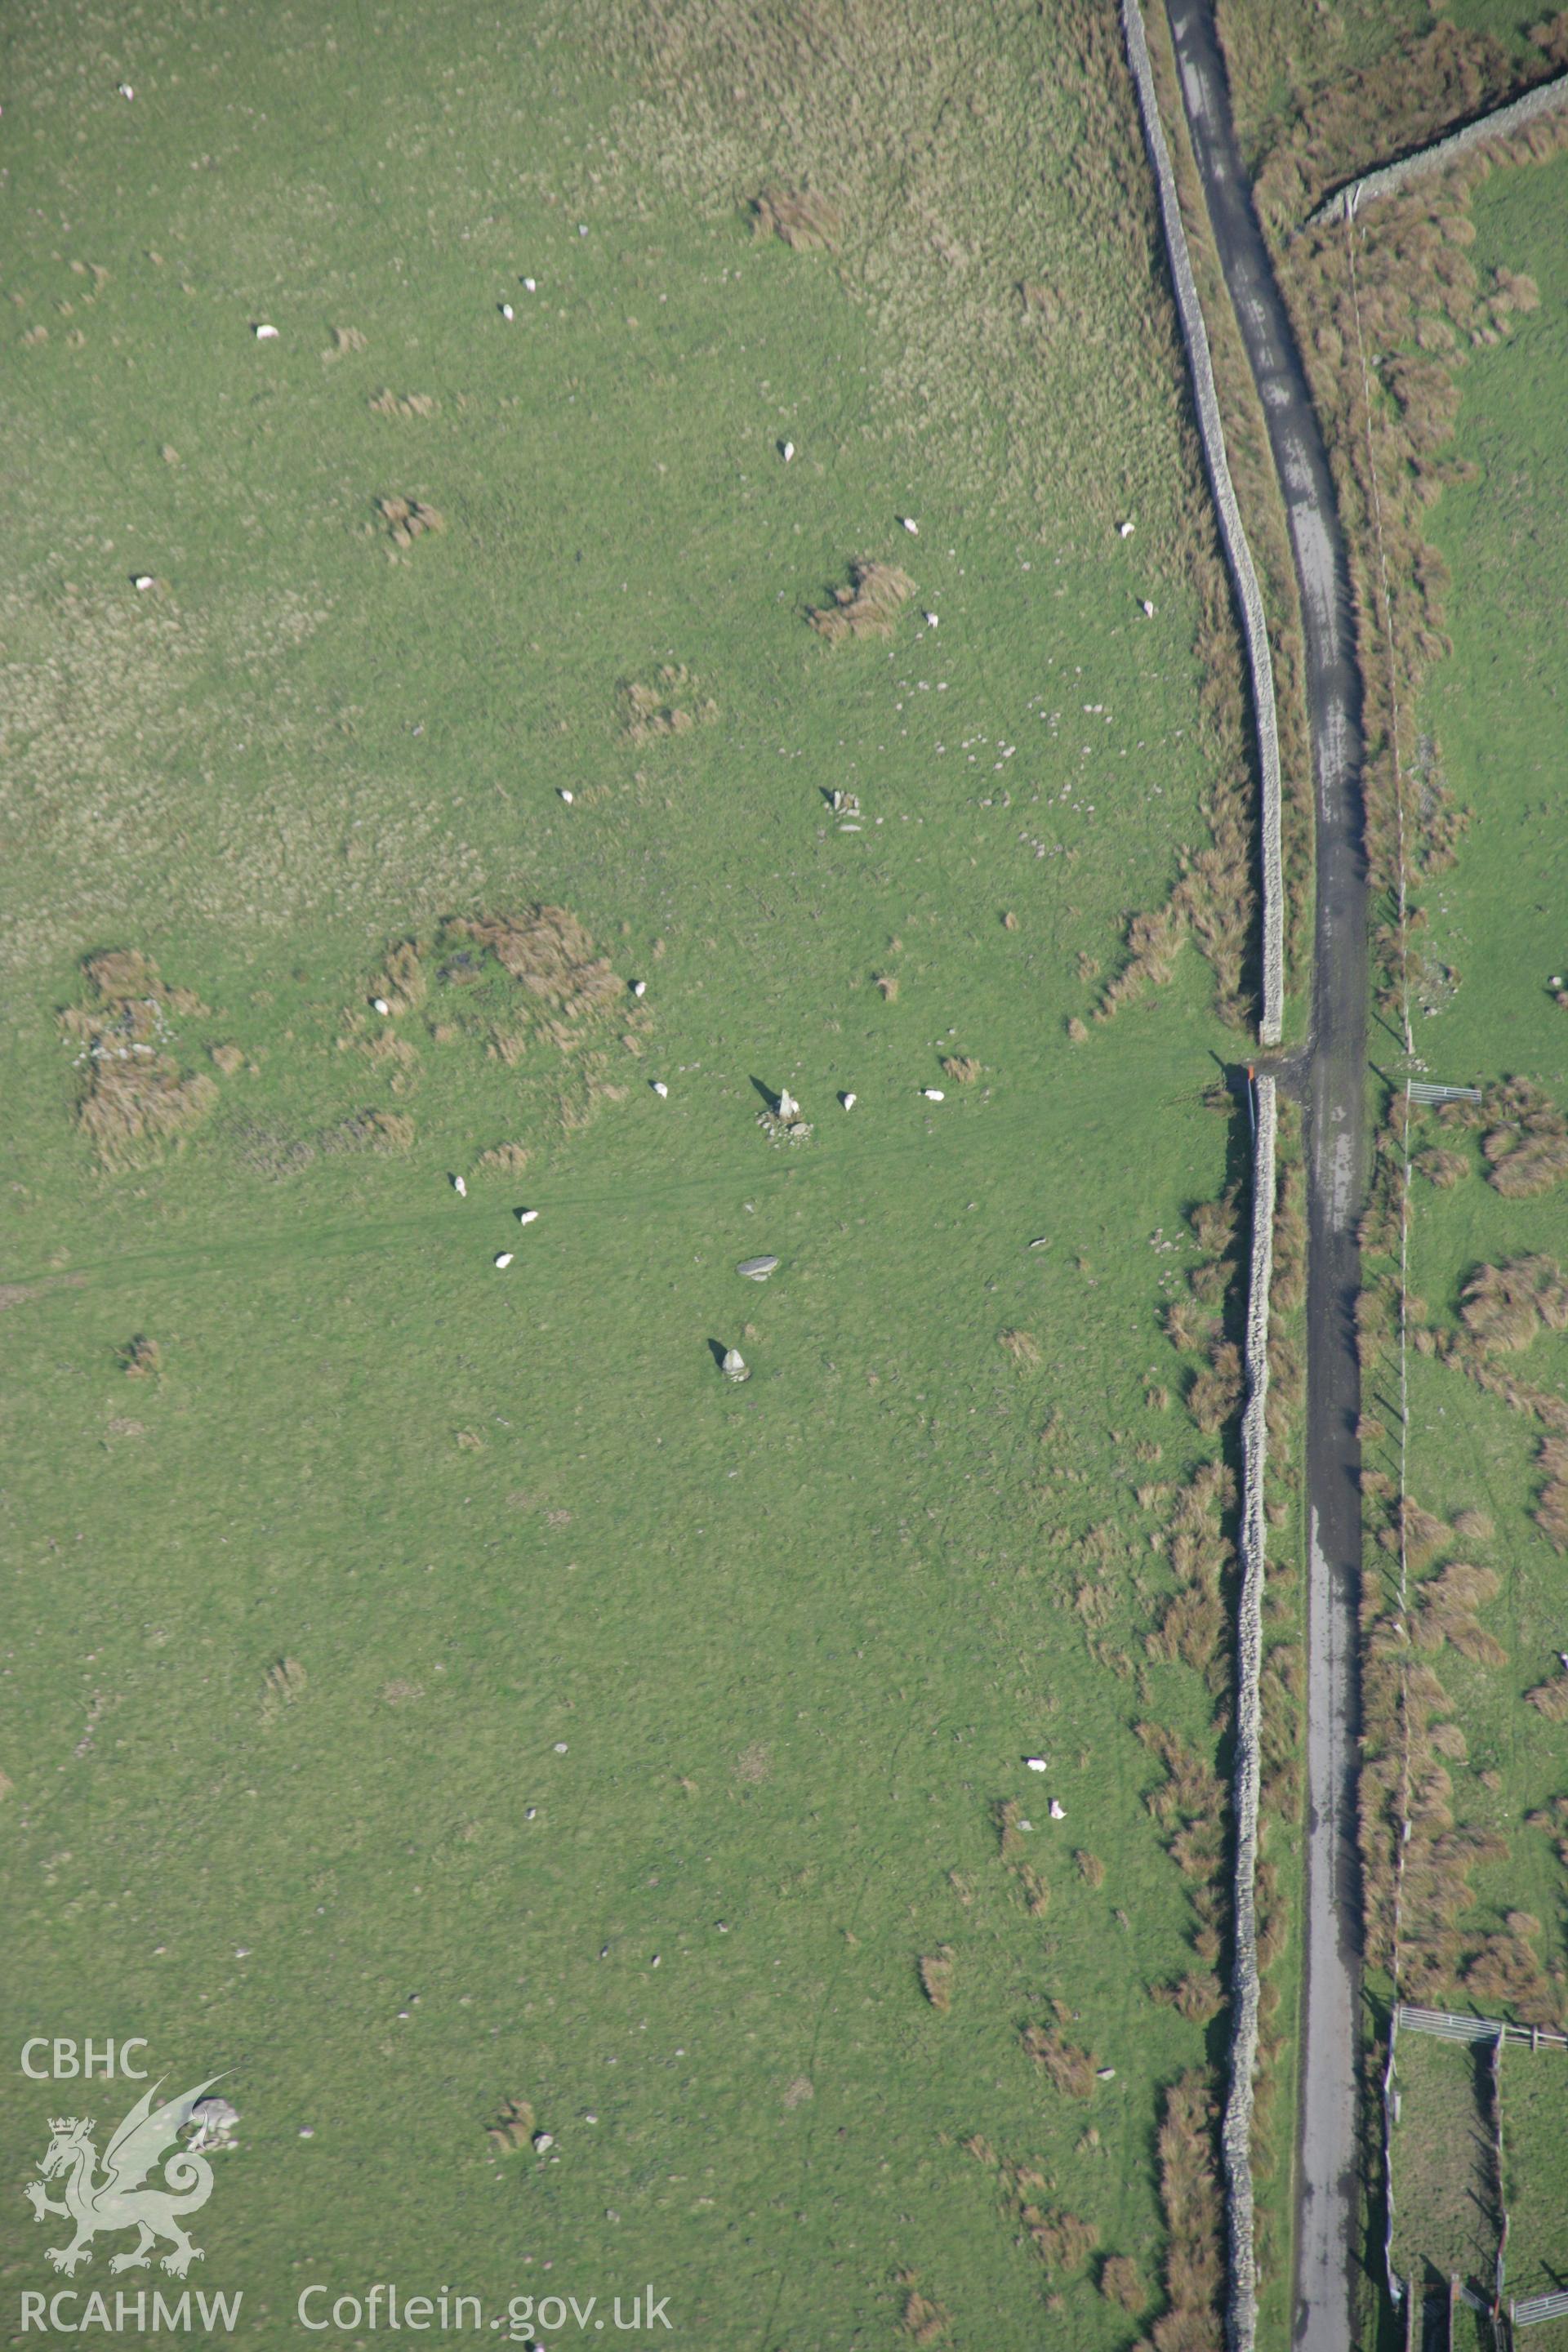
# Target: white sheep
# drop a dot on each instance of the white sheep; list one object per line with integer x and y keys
{"x": 848, "y": 1102}
{"x": 459, "y": 1186}
{"x": 531, "y": 285}
{"x": 126, "y": 90}
{"x": 930, "y": 621}
{"x": 1125, "y": 530}
{"x": 264, "y": 333}
{"x": 911, "y": 525}
{"x": 1148, "y": 610}
{"x": 527, "y": 1216}
{"x": 786, "y": 450}
{"x": 934, "y": 1093}
{"x": 1035, "y": 1763}
{"x": 380, "y": 1005}
{"x": 660, "y": 1089}
{"x": 565, "y": 795}
{"x": 503, "y": 1258}
{"x": 143, "y": 580}
{"x": 507, "y": 311}
{"x": 639, "y": 987}
{"x": 1059, "y": 1810}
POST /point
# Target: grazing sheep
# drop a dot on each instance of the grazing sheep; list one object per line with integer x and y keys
{"x": 459, "y": 1186}
{"x": 934, "y": 1093}
{"x": 639, "y": 987}
{"x": 380, "y": 1005}
{"x": 527, "y": 1216}
{"x": 565, "y": 795}
{"x": 911, "y": 525}
{"x": 1125, "y": 530}
{"x": 143, "y": 579}
{"x": 1059, "y": 1810}
{"x": 126, "y": 90}
{"x": 265, "y": 334}
{"x": 786, "y": 450}
{"x": 1035, "y": 1763}
{"x": 1148, "y": 610}
{"x": 506, "y": 310}
{"x": 930, "y": 621}
{"x": 660, "y": 1089}
{"x": 848, "y": 1102}
{"x": 503, "y": 1258}
{"x": 531, "y": 285}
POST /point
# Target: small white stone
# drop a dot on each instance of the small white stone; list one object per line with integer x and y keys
{"x": 911, "y": 525}
{"x": 582, "y": 228}
{"x": 506, "y": 310}
{"x": 265, "y": 334}
{"x": 526, "y": 1216}
{"x": 565, "y": 795}
{"x": 660, "y": 1089}
{"x": 380, "y": 1005}
{"x": 503, "y": 1258}
{"x": 934, "y": 1093}
{"x": 541, "y": 2140}
{"x": 1026, "y": 1825}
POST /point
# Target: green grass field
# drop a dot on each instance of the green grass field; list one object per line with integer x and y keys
{"x": 433, "y": 1687}
{"x": 1490, "y": 715}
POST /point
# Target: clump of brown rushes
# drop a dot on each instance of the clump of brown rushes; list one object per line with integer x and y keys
{"x": 868, "y": 607}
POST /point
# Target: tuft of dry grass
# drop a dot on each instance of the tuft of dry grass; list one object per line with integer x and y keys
{"x": 512, "y": 2128}
{"x": 922, "y": 2321}
{"x": 408, "y": 519}
{"x": 887, "y": 986}
{"x": 1121, "y": 2283}
{"x": 142, "y": 1358}
{"x": 962, "y": 1068}
{"x": 936, "y": 1970}
{"x": 668, "y": 707}
{"x": 388, "y": 403}
{"x": 135, "y": 1097}
{"x": 504, "y": 1160}
{"x": 868, "y": 607}
{"x": 1023, "y": 1347}
{"x": 1551, "y": 1699}
{"x": 1071, "y": 2069}
{"x": 806, "y": 220}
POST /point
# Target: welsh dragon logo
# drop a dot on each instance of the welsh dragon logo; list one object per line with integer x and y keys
{"x": 118, "y": 2199}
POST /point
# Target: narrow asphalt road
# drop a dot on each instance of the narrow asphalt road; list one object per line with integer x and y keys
{"x": 1328, "y": 2230}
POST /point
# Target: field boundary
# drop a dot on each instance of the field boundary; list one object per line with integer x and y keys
{"x": 1236, "y": 2129}
{"x": 1452, "y": 2025}
{"x": 1544, "y": 98}
{"x": 1238, "y": 553}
